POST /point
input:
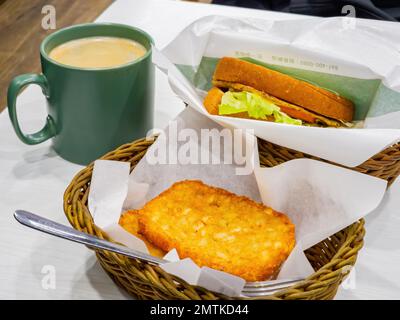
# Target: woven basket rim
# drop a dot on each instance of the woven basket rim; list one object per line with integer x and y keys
{"x": 330, "y": 275}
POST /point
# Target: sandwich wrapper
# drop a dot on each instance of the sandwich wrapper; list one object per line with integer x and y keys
{"x": 319, "y": 198}
{"x": 358, "y": 59}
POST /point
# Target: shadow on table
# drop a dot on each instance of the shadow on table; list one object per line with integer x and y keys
{"x": 99, "y": 281}
{"x": 50, "y": 268}
{"x": 40, "y": 162}
{"x": 368, "y": 284}
{"x": 35, "y": 163}
{"x": 384, "y": 220}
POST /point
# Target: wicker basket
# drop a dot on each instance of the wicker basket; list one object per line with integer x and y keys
{"x": 331, "y": 259}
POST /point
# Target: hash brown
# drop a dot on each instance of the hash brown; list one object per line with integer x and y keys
{"x": 129, "y": 220}
{"x": 218, "y": 229}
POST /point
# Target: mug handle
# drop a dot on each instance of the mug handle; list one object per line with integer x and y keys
{"x": 49, "y": 129}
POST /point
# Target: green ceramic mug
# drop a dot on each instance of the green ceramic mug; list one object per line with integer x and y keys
{"x": 90, "y": 111}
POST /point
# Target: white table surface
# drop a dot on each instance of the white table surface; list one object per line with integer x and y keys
{"x": 34, "y": 178}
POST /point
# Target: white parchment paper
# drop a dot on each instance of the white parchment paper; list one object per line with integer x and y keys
{"x": 359, "y": 57}
{"x": 320, "y": 199}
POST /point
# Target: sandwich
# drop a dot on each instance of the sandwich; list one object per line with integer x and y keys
{"x": 247, "y": 90}
{"x": 215, "y": 228}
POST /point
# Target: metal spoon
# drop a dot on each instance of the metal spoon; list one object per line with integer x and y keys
{"x": 34, "y": 221}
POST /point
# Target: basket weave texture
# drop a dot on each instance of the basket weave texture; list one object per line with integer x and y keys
{"x": 331, "y": 259}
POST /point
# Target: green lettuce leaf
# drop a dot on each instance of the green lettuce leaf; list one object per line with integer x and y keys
{"x": 256, "y": 106}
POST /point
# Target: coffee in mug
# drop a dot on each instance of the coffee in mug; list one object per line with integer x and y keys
{"x": 98, "y": 80}
{"x": 98, "y": 52}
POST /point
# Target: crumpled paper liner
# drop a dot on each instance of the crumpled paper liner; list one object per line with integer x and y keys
{"x": 319, "y": 198}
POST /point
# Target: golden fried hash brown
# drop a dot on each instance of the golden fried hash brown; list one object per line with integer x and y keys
{"x": 129, "y": 220}
{"x": 218, "y": 229}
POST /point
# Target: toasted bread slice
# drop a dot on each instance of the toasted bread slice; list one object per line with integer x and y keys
{"x": 129, "y": 220}
{"x": 218, "y": 229}
{"x": 287, "y": 88}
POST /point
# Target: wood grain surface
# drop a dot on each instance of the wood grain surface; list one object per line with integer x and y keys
{"x": 21, "y": 32}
